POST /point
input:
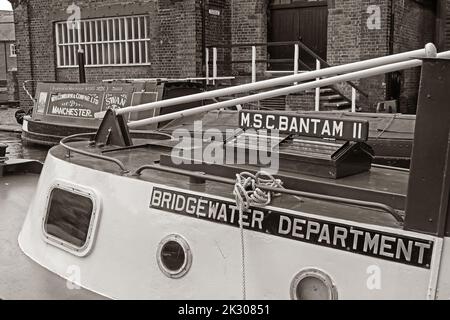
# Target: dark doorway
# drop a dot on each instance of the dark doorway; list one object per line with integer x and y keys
{"x": 292, "y": 21}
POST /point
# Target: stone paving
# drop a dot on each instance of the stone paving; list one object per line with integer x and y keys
{"x": 10, "y": 133}
{"x": 8, "y": 121}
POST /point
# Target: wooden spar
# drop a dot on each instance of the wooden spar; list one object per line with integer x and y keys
{"x": 428, "y": 51}
{"x": 288, "y": 90}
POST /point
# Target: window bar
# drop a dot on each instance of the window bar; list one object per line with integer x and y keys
{"x": 75, "y": 36}
{"x": 79, "y": 24}
{"x": 130, "y": 44}
{"x": 71, "y": 41}
{"x": 120, "y": 40}
{"x": 102, "y": 27}
{"x": 114, "y": 43}
{"x": 75, "y": 44}
{"x": 86, "y": 55}
{"x": 69, "y": 46}
{"x": 74, "y": 47}
{"x": 140, "y": 37}
{"x": 146, "y": 37}
{"x": 127, "y": 49}
{"x": 58, "y": 49}
{"x": 91, "y": 31}
{"x": 63, "y": 34}
{"x": 133, "y": 46}
{"x": 107, "y": 37}
{"x": 97, "y": 39}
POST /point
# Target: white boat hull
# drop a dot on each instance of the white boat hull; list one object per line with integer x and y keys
{"x": 122, "y": 263}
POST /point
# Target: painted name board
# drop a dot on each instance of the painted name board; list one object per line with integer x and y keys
{"x": 310, "y": 126}
{"x": 74, "y": 104}
{"x": 115, "y": 100}
{"x": 83, "y": 101}
{"x": 354, "y": 239}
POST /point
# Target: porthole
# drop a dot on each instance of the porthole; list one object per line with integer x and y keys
{"x": 313, "y": 284}
{"x": 71, "y": 218}
{"x": 174, "y": 256}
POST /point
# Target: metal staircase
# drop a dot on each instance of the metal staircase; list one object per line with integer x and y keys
{"x": 331, "y": 97}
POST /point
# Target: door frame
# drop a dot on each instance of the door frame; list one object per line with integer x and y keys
{"x": 322, "y": 3}
{"x": 293, "y": 5}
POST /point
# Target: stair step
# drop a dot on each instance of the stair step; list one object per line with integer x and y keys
{"x": 337, "y": 105}
{"x": 330, "y": 97}
{"x": 273, "y": 103}
{"x": 326, "y": 90}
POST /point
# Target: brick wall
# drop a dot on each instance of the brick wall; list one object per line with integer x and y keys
{"x": 23, "y": 48}
{"x": 302, "y": 102}
{"x": 176, "y": 34}
{"x": 414, "y": 27}
{"x": 173, "y": 29}
{"x": 248, "y": 25}
{"x": 218, "y": 32}
{"x": 175, "y": 39}
{"x": 443, "y": 25}
{"x": 350, "y": 39}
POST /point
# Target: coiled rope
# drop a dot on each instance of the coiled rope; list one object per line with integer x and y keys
{"x": 247, "y": 194}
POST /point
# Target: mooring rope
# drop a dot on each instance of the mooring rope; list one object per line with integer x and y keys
{"x": 26, "y": 90}
{"x": 247, "y": 194}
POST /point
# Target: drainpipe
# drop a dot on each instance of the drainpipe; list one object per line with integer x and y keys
{"x": 203, "y": 5}
{"x": 389, "y": 76}
{"x": 31, "y": 48}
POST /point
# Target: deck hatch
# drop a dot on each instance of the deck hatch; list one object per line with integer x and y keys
{"x": 71, "y": 218}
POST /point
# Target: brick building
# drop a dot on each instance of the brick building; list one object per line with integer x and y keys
{"x": 8, "y": 59}
{"x": 167, "y": 38}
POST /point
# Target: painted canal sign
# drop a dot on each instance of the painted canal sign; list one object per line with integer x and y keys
{"x": 74, "y": 104}
{"x": 81, "y": 101}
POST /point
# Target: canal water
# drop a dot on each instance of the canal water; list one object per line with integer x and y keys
{"x": 16, "y": 150}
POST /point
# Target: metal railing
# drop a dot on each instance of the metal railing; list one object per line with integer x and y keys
{"x": 81, "y": 136}
{"x": 296, "y": 60}
{"x": 349, "y": 72}
{"x": 321, "y": 62}
{"x": 254, "y": 61}
{"x": 342, "y": 73}
{"x": 204, "y": 176}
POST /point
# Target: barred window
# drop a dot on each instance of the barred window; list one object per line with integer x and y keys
{"x": 121, "y": 41}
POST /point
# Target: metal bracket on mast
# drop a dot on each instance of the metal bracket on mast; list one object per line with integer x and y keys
{"x": 113, "y": 131}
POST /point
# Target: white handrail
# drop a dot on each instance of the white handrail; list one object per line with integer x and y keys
{"x": 214, "y": 65}
{"x": 296, "y": 58}
{"x": 288, "y": 90}
{"x": 253, "y": 64}
{"x": 353, "y": 100}
{"x": 207, "y": 65}
{"x": 428, "y": 51}
{"x": 317, "y": 97}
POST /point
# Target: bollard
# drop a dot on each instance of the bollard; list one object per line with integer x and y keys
{"x": 3, "y": 152}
